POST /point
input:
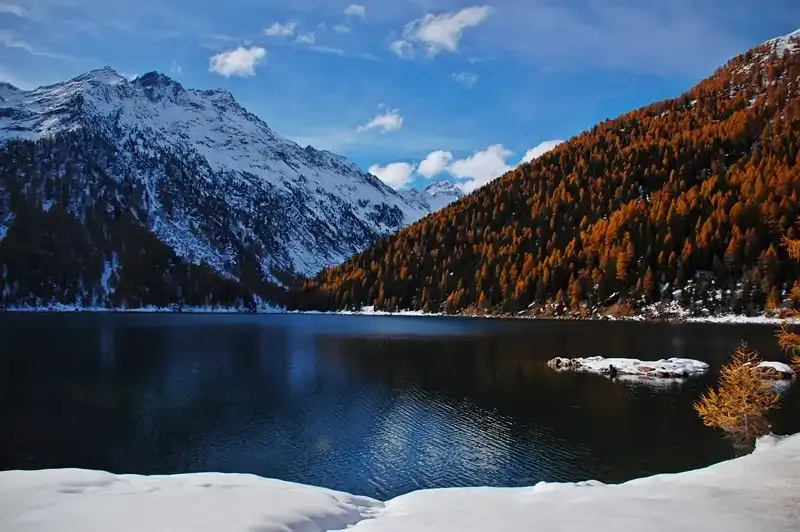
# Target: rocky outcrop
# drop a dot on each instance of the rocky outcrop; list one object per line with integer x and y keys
{"x": 773, "y": 371}
{"x": 670, "y": 368}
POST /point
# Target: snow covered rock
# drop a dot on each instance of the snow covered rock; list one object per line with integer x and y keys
{"x": 770, "y": 370}
{"x": 213, "y": 178}
{"x": 668, "y": 369}
{"x": 752, "y": 493}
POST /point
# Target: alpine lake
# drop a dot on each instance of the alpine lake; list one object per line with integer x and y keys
{"x": 372, "y": 405}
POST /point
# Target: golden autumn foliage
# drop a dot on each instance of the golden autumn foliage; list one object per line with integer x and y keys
{"x": 683, "y": 200}
{"x": 788, "y": 338}
{"x": 741, "y": 401}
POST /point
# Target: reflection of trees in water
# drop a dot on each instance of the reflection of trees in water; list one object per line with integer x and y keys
{"x": 623, "y": 425}
{"x": 143, "y": 392}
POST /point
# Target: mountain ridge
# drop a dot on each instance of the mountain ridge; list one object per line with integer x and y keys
{"x": 206, "y": 177}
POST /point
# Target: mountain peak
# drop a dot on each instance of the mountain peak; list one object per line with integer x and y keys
{"x": 7, "y": 90}
{"x": 443, "y": 188}
{"x": 435, "y": 196}
{"x": 105, "y": 75}
{"x": 156, "y": 84}
{"x": 154, "y": 79}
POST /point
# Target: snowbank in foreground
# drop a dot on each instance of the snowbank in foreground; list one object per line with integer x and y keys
{"x": 757, "y": 492}
{"x": 665, "y": 368}
{"x": 79, "y": 500}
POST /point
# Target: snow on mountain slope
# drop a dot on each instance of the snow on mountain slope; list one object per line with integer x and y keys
{"x": 789, "y": 42}
{"x": 216, "y": 177}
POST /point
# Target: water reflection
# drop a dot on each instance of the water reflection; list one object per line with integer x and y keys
{"x": 377, "y": 406}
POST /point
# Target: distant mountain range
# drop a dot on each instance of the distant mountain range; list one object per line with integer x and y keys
{"x": 433, "y": 197}
{"x": 114, "y": 163}
{"x": 677, "y": 207}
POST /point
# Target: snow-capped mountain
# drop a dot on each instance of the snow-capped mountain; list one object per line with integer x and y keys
{"x": 213, "y": 178}
{"x": 434, "y": 197}
{"x": 441, "y": 194}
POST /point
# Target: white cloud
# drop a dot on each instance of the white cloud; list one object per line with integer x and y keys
{"x": 306, "y": 38}
{"x": 13, "y": 10}
{"x": 176, "y": 69}
{"x": 396, "y": 175}
{"x": 327, "y": 50}
{"x": 465, "y": 78}
{"x": 356, "y": 10}
{"x": 239, "y": 62}
{"x": 390, "y": 120}
{"x": 402, "y": 49}
{"x": 341, "y": 28}
{"x": 281, "y": 30}
{"x": 481, "y": 167}
{"x": 8, "y": 40}
{"x": 539, "y": 150}
{"x": 435, "y": 163}
{"x": 443, "y": 32}
{"x": 471, "y": 172}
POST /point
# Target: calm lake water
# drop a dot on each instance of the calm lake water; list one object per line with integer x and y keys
{"x": 376, "y": 406}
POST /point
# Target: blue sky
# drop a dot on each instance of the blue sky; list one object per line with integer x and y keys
{"x": 415, "y": 90}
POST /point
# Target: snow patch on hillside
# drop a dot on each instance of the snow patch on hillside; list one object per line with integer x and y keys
{"x": 786, "y": 43}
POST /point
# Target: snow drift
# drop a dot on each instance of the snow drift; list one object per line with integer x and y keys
{"x": 757, "y": 492}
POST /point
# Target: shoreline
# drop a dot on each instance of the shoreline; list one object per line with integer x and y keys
{"x": 740, "y": 319}
{"x": 752, "y": 492}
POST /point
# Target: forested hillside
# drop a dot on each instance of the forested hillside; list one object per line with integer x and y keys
{"x": 684, "y": 200}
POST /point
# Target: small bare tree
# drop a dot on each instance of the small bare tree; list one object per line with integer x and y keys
{"x": 740, "y": 402}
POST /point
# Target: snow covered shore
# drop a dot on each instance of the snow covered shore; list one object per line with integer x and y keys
{"x": 756, "y": 492}
{"x": 266, "y": 308}
{"x": 665, "y": 368}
